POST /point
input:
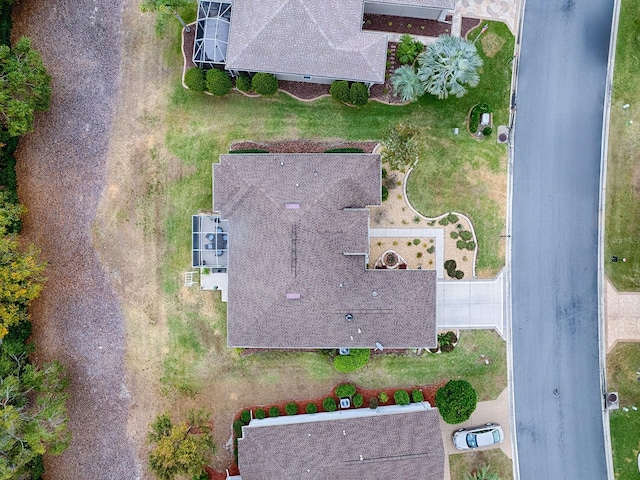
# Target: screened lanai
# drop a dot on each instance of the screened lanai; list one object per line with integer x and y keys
{"x": 212, "y": 34}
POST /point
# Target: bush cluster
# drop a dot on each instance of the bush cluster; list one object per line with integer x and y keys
{"x": 312, "y": 408}
{"x": 450, "y": 267}
{"x": 346, "y": 390}
{"x": 291, "y": 408}
{"x": 243, "y": 83}
{"x": 466, "y": 235}
{"x": 358, "y": 400}
{"x": 264, "y": 83}
{"x": 329, "y": 404}
{"x": 417, "y": 396}
{"x": 357, "y": 93}
{"x": 218, "y": 82}
{"x": 194, "y": 79}
{"x": 401, "y": 397}
{"x": 357, "y": 358}
{"x": 260, "y": 414}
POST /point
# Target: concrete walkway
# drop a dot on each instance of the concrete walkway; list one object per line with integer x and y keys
{"x": 622, "y": 314}
{"x": 471, "y": 304}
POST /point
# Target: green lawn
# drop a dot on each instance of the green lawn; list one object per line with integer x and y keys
{"x": 463, "y": 463}
{"x": 622, "y": 364}
{"x": 622, "y": 231}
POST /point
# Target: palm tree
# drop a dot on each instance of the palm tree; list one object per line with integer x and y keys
{"x": 165, "y": 9}
{"x": 447, "y": 65}
{"x": 406, "y": 84}
{"x": 482, "y": 473}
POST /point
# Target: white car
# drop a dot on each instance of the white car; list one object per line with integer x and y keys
{"x": 476, "y": 437}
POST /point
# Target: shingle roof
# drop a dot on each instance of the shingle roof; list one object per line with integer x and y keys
{"x": 405, "y": 444}
{"x": 305, "y": 37}
{"x": 317, "y": 251}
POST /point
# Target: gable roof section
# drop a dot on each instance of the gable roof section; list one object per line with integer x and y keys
{"x": 305, "y": 37}
{"x": 395, "y": 442}
{"x": 315, "y": 251}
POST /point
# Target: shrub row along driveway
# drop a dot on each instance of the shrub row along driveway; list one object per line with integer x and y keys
{"x": 61, "y": 174}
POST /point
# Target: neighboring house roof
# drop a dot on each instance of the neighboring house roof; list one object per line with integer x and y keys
{"x": 364, "y": 444}
{"x": 305, "y": 37}
{"x": 298, "y": 227}
{"x": 443, "y": 4}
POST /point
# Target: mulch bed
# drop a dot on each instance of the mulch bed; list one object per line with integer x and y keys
{"x": 414, "y": 26}
{"x": 188, "y": 39}
{"x": 469, "y": 24}
{"x": 301, "y": 146}
{"x": 304, "y": 90}
{"x": 428, "y": 391}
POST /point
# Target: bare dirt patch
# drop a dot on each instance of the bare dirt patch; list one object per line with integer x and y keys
{"x": 491, "y": 44}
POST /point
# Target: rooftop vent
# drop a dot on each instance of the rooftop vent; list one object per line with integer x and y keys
{"x": 291, "y": 206}
{"x": 293, "y": 296}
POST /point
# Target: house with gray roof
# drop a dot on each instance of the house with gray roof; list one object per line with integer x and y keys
{"x": 402, "y": 442}
{"x": 302, "y": 40}
{"x": 289, "y": 242}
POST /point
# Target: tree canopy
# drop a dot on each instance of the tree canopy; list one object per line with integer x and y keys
{"x": 165, "y": 9}
{"x": 183, "y": 448}
{"x": 406, "y": 84}
{"x": 447, "y": 65}
{"x": 24, "y": 86}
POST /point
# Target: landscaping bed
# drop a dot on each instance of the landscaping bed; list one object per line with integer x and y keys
{"x": 415, "y": 26}
{"x": 302, "y": 146}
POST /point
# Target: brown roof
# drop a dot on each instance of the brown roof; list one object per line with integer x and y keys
{"x": 305, "y": 37}
{"x": 394, "y": 442}
{"x": 316, "y": 250}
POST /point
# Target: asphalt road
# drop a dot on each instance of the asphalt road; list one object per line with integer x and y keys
{"x": 561, "y": 90}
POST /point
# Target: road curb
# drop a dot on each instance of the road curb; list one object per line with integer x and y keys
{"x": 602, "y": 317}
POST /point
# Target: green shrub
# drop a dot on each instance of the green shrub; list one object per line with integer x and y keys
{"x": 274, "y": 412}
{"x": 408, "y": 49}
{"x": 385, "y": 193}
{"x": 419, "y": 255}
{"x": 476, "y": 112}
{"x": 416, "y": 219}
{"x": 383, "y": 397}
{"x": 329, "y": 404}
{"x": 461, "y": 244}
{"x": 450, "y": 265}
{"x": 431, "y": 249}
{"x": 260, "y": 414}
{"x": 454, "y": 235}
{"x": 459, "y": 274}
{"x": 340, "y": 91}
{"x": 249, "y": 150}
{"x": 470, "y": 245}
{"x": 486, "y": 131}
{"x": 357, "y": 358}
{"x": 358, "y": 400}
{"x": 345, "y": 150}
{"x": 417, "y": 396}
{"x": 291, "y": 408}
{"x": 312, "y": 408}
{"x": 264, "y": 83}
{"x": 466, "y": 235}
{"x": 373, "y": 403}
{"x": 218, "y": 82}
{"x": 243, "y": 83}
{"x": 416, "y": 241}
{"x": 237, "y": 428}
{"x": 245, "y": 416}
{"x": 346, "y": 390}
{"x": 456, "y": 401}
{"x": 443, "y": 221}
{"x": 452, "y": 217}
{"x": 384, "y": 173}
{"x": 194, "y": 79}
{"x": 401, "y": 397}
{"x": 359, "y": 93}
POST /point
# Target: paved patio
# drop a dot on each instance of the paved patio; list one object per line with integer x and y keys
{"x": 506, "y": 11}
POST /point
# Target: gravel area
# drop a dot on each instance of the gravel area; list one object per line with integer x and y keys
{"x": 61, "y": 172}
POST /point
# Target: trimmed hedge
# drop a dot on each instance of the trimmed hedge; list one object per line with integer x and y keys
{"x": 340, "y": 91}
{"x": 456, "y": 401}
{"x": 249, "y": 150}
{"x": 245, "y": 416}
{"x": 312, "y": 408}
{"x": 385, "y": 193}
{"x": 218, "y": 82}
{"x": 401, "y": 397}
{"x": 358, "y": 400}
{"x": 243, "y": 83}
{"x": 383, "y": 397}
{"x": 291, "y": 408}
{"x": 329, "y": 404}
{"x": 237, "y": 428}
{"x": 345, "y": 390}
{"x": 357, "y": 358}
{"x": 359, "y": 94}
{"x": 345, "y": 150}
{"x": 274, "y": 412}
{"x": 264, "y": 83}
{"x": 260, "y": 414}
{"x": 195, "y": 79}
{"x": 417, "y": 396}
